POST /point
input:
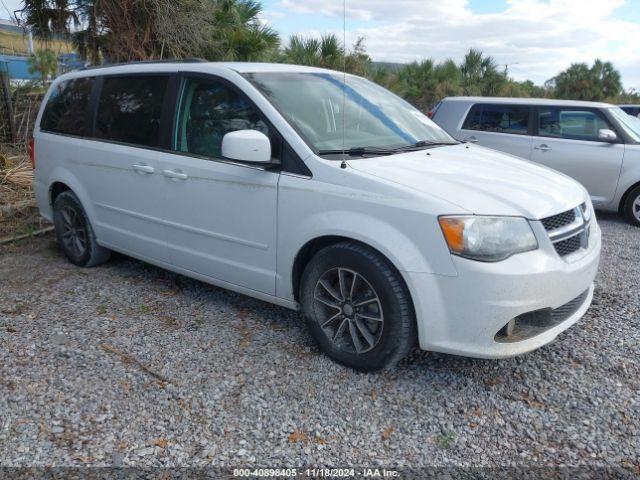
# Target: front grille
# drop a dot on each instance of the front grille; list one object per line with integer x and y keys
{"x": 568, "y": 246}
{"x": 560, "y": 220}
{"x": 568, "y": 231}
{"x": 534, "y": 323}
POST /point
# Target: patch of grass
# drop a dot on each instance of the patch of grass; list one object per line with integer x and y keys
{"x": 170, "y": 322}
{"x": 145, "y": 309}
{"x": 17, "y": 309}
{"x": 101, "y": 309}
{"x": 445, "y": 440}
{"x": 16, "y": 44}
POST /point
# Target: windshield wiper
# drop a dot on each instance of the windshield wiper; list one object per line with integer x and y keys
{"x": 358, "y": 151}
{"x": 422, "y": 144}
{"x": 362, "y": 151}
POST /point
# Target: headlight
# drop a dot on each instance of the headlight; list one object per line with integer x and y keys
{"x": 488, "y": 239}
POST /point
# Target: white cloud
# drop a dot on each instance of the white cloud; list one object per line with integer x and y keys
{"x": 537, "y": 38}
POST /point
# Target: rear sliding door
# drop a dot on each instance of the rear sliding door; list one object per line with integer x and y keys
{"x": 121, "y": 165}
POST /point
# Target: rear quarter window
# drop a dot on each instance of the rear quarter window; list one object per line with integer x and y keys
{"x": 67, "y": 107}
{"x": 130, "y": 109}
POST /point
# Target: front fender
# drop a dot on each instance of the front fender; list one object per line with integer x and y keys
{"x": 630, "y": 176}
{"x": 387, "y": 238}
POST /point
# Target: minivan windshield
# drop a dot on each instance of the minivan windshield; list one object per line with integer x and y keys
{"x": 631, "y": 125}
{"x": 375, "y": 120}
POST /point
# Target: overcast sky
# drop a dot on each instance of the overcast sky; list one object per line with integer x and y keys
{"x": 536, "y": 38}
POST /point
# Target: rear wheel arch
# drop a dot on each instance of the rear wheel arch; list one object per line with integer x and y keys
{"x": 56, "y": 189}
{"x": 623, "y": 200}
{"x": 628, "y": 207}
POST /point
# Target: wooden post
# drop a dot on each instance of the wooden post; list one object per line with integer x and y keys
{"x": 8, "y": 107}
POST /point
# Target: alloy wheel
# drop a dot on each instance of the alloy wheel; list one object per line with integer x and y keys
{"x": 74, "y": 231}
{"x": 635, "y": 208}
{"x": 352, "y": 317}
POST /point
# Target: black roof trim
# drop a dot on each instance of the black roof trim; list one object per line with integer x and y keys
{"x": 147, "y": 62}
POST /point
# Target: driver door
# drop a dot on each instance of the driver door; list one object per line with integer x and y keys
{"x": 567, "y": 140}
{"x": 221, "y": 214}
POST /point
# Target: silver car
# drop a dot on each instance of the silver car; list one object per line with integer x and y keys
{"x": 598, "y": 144}
{"x": 633, "y": 110}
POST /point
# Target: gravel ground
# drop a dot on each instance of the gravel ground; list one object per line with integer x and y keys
{"x": 129, "y": 365}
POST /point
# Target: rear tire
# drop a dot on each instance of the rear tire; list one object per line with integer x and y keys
{"x": 632, "y": 207}
{"x": 74, "y": 232}
{"x": 357, "y": 307}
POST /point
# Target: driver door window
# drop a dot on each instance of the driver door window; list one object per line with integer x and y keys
{"x": 571, "y": 124}
{"x": 210, "y": 109}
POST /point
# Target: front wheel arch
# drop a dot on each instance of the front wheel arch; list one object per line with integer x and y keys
{"x": 309, "y": 249}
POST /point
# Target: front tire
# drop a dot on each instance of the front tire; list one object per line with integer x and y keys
{"x": 74, "y": 232}
{"x": 357, "y": 307}
{"x": 632, "y": 207}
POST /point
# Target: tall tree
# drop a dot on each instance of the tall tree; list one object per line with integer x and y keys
{"x": 239, "y": 35}
{"x": 580, "y": 82}
{"x": 126, "y": 30}
{"x": 480, "y": 75}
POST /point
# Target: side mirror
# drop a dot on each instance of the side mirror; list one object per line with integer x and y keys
{"x": 607, "y": 135}
{"x": 247, "y": 146}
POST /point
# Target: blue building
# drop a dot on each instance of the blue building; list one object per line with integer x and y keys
{"x": 17, "y": 67}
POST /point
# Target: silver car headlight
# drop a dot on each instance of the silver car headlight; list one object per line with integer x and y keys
{"x": 487, "y": 239}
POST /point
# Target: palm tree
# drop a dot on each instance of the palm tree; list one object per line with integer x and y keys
{"x": 239, "y": 35}
{"x": 579, "y": 82}
{"x": 327, "y": 52}
{"x": 608, "y": 78}
{"x": 48, "y": 18}
{"x": 126, "y": 30}
{"x": 480, "y": 75}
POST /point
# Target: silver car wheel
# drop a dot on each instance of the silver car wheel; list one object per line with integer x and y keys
{"x": 352, "y": 317}
{"x": 74, "y": 233}
{"x": 636, "y": 208}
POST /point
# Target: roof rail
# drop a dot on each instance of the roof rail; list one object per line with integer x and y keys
{"x": 147, "y": 62}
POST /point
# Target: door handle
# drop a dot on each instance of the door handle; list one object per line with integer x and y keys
{"x": 543, "y": 148}
{"x": 143, "y": 168}
{"x": 175, "y": 174}
{"x": 472, "y": 140}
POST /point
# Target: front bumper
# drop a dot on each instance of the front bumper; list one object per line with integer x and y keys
{"x": 462, "y": 314}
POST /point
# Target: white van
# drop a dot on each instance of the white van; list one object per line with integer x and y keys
{"x": 597, "y": 144}
{"x": 385, "y": 233}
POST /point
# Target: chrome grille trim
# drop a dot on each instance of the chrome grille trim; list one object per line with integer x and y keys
{"x": 568, "y": 231}
{"x": 560, "y": 220}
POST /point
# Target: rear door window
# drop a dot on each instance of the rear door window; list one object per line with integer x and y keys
{"x": 130, "y": 109}
{"x": 67, "y": 107}
{"x": 512, "y": 119}
{"x": 571, "y": 124}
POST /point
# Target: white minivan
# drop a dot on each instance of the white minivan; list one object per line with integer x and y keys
{"x": 597, "y": 144}
{"x": 340, "y": 199}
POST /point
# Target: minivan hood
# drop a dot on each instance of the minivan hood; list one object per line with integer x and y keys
{"x": 479, "y": 180}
